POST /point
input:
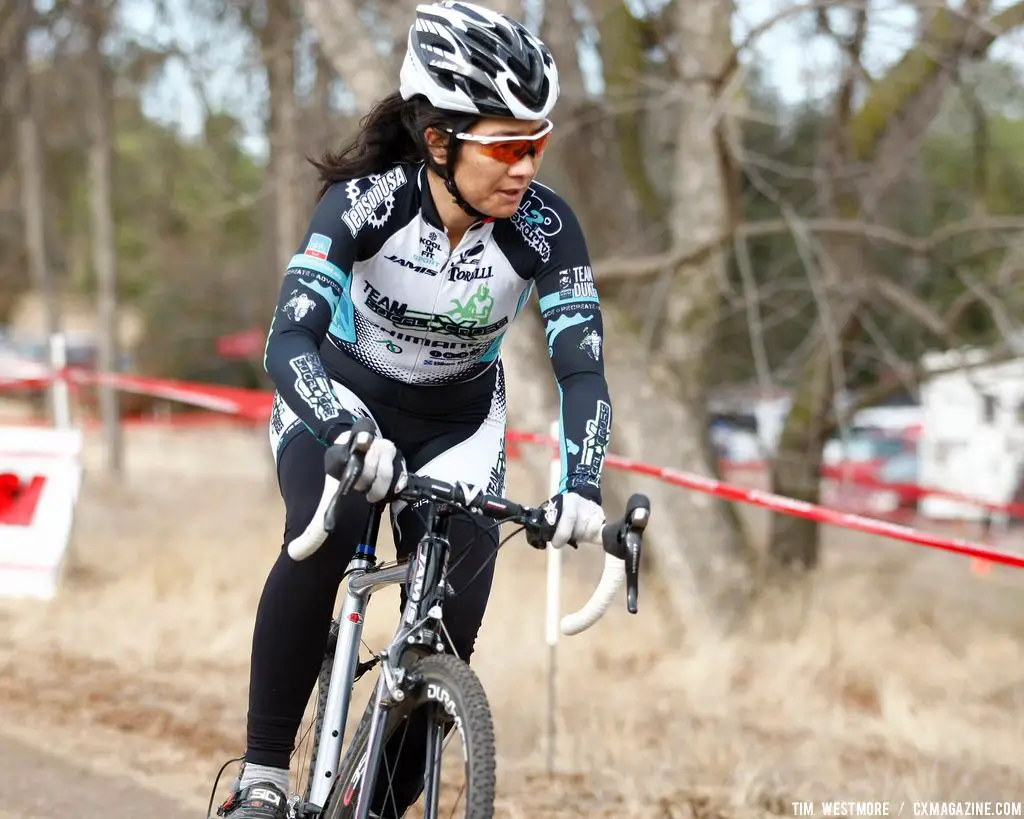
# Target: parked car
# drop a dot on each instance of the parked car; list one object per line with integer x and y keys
{"x": 858, "y": 457}
{"x": 873, "y": 473}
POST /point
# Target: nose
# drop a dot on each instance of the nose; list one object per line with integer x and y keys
{"x": 526, "y": 165}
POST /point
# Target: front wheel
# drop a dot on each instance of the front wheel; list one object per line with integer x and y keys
{"x": 444, "y": 693}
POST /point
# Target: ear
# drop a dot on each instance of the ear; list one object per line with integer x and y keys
{"x": 437, "y": 143}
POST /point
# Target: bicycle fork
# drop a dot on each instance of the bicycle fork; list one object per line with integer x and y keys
{"x": 425, "y": 591}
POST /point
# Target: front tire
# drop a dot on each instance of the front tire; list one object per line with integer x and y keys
{"x": 447, "y": 691}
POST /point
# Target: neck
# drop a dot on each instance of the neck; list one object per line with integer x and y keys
{"x": 454, "y": 218}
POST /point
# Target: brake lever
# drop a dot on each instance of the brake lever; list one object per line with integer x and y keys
{"x": 344, "y": 463}
{"x": 625, "y": 542}
{"x": 632, "y": 561}
{"x": 540, "y": 537}
{"x": 540, "y": 533}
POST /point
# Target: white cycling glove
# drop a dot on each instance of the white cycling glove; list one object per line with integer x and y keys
{"x": 384, "y": 473}
{"x": 575, "y": 519}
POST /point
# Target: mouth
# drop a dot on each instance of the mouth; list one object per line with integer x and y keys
{"x": 512, "y": 193}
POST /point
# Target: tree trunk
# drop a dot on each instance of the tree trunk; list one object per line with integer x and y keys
{"x": 584, "y": 140}
{"x": 321, "y": 102}
{"x": 104, "y": 248}
{"x": 346, "y": 42}
{"x": 660, "y": 400}
{"x": 796, "y": 467}
{"x": 277, "y": 42}
{"x": 622, "y": 58}
{"x": 883, "y": 132}
{"x": 30, "y": 161}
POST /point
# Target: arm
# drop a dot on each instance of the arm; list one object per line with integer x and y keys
{"x": 572, "y": 320}
{"x": 314, "y": 298}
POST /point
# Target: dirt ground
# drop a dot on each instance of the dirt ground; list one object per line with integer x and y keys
{"x": 898, "y": 675}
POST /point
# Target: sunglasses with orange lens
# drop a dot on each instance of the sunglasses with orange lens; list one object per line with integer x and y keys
{"x": 510, "y": 149}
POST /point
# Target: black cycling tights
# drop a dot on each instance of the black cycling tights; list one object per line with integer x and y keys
{"x": 298, "y": 600}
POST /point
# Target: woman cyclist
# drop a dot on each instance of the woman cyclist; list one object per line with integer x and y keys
{"x": 428, "y": 238}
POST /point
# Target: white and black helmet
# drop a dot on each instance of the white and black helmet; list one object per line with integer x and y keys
{"x": 466, "y": 58}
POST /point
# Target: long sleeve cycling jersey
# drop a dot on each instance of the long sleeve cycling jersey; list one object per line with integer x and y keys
{"x": 376, "y": 280}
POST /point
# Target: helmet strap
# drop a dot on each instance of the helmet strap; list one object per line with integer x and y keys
{"x": 447, "y": 173}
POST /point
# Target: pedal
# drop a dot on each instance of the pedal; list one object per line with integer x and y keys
{"x": 296, "y": 807}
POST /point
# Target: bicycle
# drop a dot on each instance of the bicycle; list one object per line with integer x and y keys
{"x": 416, "y": 671}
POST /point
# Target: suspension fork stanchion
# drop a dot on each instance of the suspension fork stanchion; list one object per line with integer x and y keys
{"x": 343, "y": 669}
{"x": 374, "y": 749}
{"x": 432, "y": 776}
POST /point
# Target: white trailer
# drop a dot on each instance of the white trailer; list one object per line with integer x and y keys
{"x": 972, "y": 437}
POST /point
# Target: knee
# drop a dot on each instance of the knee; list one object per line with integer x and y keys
{"x": 318, "y": 574}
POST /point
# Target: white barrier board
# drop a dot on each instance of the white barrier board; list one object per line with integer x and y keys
{"x": 36, "y": 529}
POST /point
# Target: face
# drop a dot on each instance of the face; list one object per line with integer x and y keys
{"x": 489, "y": 175}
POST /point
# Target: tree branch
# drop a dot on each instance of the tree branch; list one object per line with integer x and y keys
{"x": 916, "y": 374}
{"x": 615, "y": 270}
{"x": 911, "y": 305}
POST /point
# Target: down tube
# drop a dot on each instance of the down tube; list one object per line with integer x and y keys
{"x": 361, "y": 584}
{"x": 339, "y": 696}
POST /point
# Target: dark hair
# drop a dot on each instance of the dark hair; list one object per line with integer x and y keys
{"x": 391, "y": 133}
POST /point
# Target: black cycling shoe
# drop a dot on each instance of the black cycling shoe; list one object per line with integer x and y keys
{"x": 261, "y": 800}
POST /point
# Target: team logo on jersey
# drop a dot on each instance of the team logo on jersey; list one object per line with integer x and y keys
{"x": 298, "y": 306}
{"x": 282, "y": 422}
{"x": 536, "y": 223}
{"x": 554, "y": 327}
{"x": 467, "y": 267}
{"x": 469, "y": 274}
{"x": 277, "y": 415}
{"x": 477, "y": 307}
{"x": 496, "y": 485}
{"x": 318, "y": 246}
{"x": 428, "y": 247}
{"x": 592, "y": 344}
{"x": 576, "y": 283}
{"x": 426, "y": 271}
{"x": 466, "y": 320}
{"x": 313, "y": 386}
{"x": 595, "y": 444}
{"x": 390, "y": 345}
{"x": 372, "y": 205}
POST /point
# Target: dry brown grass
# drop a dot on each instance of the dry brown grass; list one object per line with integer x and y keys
{"x": 898, "y": 684}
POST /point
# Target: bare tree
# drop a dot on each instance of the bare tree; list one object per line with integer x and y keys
{"x": 277, "y": 37}
{"x": 22, "y": 104}
{"x": 660, "y": 396}
{"x": 585, "y": 139}
{"x": 879, "y": 137}
{"x": 96, "y": 16}
{"x": 346, "y": 42}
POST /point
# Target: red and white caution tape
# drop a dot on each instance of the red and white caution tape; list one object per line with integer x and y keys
{"x": 255, "y": 405}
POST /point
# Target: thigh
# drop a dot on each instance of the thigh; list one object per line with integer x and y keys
{"x": 476, "y": 456}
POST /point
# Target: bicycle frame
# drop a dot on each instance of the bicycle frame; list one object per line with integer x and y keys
{"x": 421, "y": 628}
{"x": 361, "y": 580}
